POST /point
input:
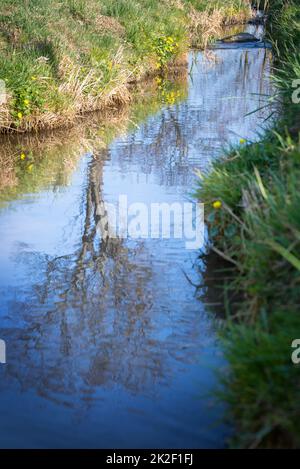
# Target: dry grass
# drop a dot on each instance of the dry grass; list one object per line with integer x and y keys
{"x": 204, "y": 26}
{"x": 208, "y": 25}
{"x": 108, "y": 24}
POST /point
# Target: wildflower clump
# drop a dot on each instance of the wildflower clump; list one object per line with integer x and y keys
{"x": 164, "y": 48}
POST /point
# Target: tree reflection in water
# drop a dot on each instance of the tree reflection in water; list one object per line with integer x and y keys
{"x": 105, "y": 314}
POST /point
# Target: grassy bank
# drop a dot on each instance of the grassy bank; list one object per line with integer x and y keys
{"x": 60, "y": 59}
{"x": 252, "y": 199}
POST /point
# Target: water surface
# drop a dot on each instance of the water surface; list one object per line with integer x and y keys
{"x": 108, "y": 344}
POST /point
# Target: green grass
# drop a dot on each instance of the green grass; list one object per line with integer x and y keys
{"x": 61, "y": 58}
{"x": 257, "y": 229}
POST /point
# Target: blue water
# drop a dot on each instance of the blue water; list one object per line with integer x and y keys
{"x": 108, "y": 344}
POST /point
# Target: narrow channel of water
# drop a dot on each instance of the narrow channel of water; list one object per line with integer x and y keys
{"x": 107, "y": 343}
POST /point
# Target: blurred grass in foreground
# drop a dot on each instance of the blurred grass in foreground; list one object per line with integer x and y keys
{"x": 252, "y": 199}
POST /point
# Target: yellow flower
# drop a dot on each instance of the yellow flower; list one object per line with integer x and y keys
{"x": 20, "y": 115}
{"x": 242, "y": 141}
{"x": 29, "y": 168}
{"x": 26, "y": 102}
{"x": 217, "y": 204}
{"x": 33, "y": 78}
{"x": 22, "y": 156}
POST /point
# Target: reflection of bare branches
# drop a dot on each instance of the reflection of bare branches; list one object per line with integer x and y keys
{"x": 87, "y": 318}
{"x": 165, "y": 152}
{"x": 85, "y": 311}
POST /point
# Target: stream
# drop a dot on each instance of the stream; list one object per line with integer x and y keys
{"x": 109, "y": 344}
